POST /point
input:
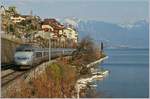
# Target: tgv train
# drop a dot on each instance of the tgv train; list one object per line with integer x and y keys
{"x": 28, "y": 56}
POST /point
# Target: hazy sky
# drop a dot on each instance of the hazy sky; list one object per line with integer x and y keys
{"x": 115, "y": 11}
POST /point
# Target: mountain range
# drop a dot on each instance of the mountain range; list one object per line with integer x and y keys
{"x": 113, "y": 35}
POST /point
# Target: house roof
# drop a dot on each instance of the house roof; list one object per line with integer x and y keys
{"x": 54, "y": 23}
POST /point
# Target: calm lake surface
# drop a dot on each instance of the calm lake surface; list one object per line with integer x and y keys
{"x": 129, "y": 74}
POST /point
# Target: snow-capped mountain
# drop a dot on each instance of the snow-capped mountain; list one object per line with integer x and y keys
{"x": 128, "y": 26}
{"x": 72, "y": 21}
{"x": 131, "y": 35}
{"x": 136, "y": 24}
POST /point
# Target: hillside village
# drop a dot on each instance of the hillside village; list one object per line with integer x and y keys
{"x": 32, "y": 29}
{"x": 63, "y": 77}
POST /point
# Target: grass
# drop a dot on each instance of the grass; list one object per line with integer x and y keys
{"x": 57, "y": 82}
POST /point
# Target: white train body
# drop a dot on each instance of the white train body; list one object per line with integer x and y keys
{"x": 30, "y": 56}
{"x": 23, "y": 58}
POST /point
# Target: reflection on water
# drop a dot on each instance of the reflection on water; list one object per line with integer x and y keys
{"x": 128, "y": 77}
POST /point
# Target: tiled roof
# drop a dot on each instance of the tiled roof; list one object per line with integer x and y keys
{"x": 53, "y": 22}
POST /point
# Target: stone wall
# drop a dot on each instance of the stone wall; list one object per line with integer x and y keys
{"x": 7, "y": 50}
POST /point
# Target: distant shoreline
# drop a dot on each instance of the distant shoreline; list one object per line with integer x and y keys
{"x": 127, "y": 48}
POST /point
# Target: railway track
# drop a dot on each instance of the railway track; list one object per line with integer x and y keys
{"x": 10, "y": 75}
{"x": 6, "y": 66}
{"x": 6, "y": 79}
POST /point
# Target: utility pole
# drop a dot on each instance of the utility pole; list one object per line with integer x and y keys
{"x": 49, "y": 46}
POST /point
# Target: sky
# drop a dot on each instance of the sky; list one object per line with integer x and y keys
{"x": 114, "y": 11}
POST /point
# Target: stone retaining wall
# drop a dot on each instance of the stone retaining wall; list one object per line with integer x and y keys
{"x": 7, "y": 50}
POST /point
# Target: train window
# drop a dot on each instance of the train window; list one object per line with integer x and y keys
{"x": 45, "y": 53}
{"x": 28, "y": 50}
{"x": 38, "y": 54}
{"x": 24, "y": 49}
{"x": 19, "y": 49}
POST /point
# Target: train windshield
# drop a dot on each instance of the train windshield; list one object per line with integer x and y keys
{"x": 25, "y": 48}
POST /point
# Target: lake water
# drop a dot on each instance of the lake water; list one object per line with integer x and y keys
{"x": 129, "y": 74}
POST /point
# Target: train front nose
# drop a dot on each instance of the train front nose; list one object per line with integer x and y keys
{"x": 22, "y": 61}
{"x": 23, "y": 58}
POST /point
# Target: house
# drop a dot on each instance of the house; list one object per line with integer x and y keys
{"x": 16, "y": 19}
{"x": 56, "y": 29}
{"x": 71, "y": 36}
{"x": 61, "y": 36}
{"x": 53, "y": 25}
{"x": 47, "y": 27}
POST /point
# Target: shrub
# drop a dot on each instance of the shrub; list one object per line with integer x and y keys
{"x": 57, "y": 82}
{"x": 86, "y": 52}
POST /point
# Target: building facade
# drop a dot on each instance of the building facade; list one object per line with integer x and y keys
{"x": 71, "y": 36}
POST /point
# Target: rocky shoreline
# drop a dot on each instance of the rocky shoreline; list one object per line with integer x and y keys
{"x": 82, "y": 83}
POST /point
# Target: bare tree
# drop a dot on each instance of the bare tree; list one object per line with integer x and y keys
{"x": 86, "y": 52}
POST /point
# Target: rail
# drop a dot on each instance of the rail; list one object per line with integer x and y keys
{"x": 10, "y": 77}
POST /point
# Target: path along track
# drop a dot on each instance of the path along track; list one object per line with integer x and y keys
{"x": 10, "y": 76}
